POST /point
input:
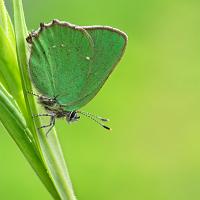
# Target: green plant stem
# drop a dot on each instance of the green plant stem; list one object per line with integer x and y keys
{"x": 9, "y": 71}
{"x": 15, "y": 124}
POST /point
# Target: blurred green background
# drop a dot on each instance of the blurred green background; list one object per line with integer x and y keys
{"x": 152, "y": 99}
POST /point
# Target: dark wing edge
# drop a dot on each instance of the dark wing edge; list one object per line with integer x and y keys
{"x": 35, "y": 34}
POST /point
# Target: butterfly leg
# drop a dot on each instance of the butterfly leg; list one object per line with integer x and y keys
{"x": 37, "y": 95}
{"x": 42, "y": 98}
{"x": 50, "y": 125}
{"x": 43, "y": 115}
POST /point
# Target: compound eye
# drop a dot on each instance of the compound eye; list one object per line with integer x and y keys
{"x": 73, "y": 115}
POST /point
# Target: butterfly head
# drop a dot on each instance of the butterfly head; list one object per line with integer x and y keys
{"x": 72, "y": 116}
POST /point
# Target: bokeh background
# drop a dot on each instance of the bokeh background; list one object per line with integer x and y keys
{"x": 152, "y": 99}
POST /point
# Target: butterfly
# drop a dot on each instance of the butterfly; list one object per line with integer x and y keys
{"x": 69, "y": 64}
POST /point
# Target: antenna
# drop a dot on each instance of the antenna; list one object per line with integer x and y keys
{"x": 94, "y": 118}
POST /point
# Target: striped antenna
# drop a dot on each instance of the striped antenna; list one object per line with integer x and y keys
{"x": 94, "y": 118}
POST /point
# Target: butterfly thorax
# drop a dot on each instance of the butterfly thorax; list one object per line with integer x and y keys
{"x": 55, "y": 109}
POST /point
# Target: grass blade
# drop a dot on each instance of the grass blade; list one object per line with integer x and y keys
{"x": 15, "y": 124}
{"x": 9, "y": 72}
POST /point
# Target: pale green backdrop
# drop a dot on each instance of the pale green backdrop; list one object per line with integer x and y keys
{"x": 152, "y": 99}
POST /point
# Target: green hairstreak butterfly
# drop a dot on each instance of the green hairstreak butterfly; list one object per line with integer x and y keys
{"x": 69, "y": 64}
